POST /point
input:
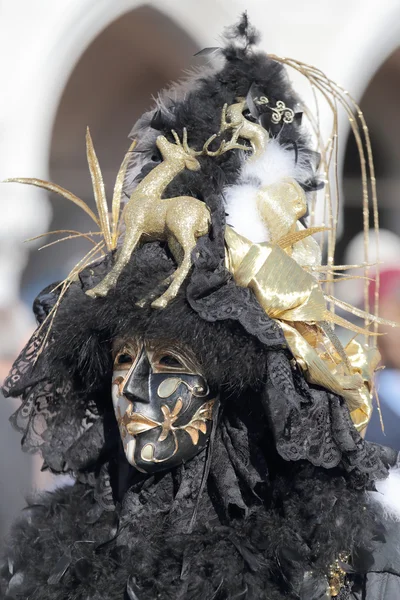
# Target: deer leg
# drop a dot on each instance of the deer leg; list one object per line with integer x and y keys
{"x": 177, "y": 253}
{"x": 132, "y": 239}
{"x": 179, "y": 276}
{"x": 153, "y": 294}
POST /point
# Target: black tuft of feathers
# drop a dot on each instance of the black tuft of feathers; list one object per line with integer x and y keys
{"x": 197, "y": 105}
{"x": 243, "y": 32}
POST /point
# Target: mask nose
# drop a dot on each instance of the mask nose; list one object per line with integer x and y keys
{"x": 136, "y": 387}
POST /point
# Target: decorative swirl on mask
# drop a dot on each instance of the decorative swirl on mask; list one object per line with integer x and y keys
{"x": 136, "y": 423}
{"x": 171, "y": 384}
{"x": 196, "y": 424}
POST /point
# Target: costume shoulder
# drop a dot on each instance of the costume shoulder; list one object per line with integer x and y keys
{"x": 378, "y": 566}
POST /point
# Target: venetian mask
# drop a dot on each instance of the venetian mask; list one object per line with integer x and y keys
{"x": 163, "y": 404}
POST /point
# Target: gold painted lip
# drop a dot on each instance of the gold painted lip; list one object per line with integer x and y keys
{"x": 138, "y": 423}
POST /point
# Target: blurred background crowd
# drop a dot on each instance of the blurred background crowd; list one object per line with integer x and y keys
{"x": 74, "y": 63}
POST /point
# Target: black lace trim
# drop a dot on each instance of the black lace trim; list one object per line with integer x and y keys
{"x": 314, "y": 425}
{"x": 17, "y": 380}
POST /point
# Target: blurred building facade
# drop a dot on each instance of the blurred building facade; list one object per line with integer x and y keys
{"x": 72, "y": 63}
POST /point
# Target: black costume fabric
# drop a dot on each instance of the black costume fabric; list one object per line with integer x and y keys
{"x": 279, "y": 494}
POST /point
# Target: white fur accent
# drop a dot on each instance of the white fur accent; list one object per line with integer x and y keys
{"x": 388, "y": 494}
{"x": 243, "y": 215}
{"x": 276, "y": 163}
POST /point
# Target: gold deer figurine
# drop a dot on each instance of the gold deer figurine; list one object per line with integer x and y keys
{"x": 281, "y": 204}
{"x": 234, "y": 119}
{"x": 148, "y": 216}
{"x": 181, "y": 220}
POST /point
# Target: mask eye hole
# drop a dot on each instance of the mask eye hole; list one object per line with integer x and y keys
{"x": 167, "y": 361}
{"x": 123, "y": 361}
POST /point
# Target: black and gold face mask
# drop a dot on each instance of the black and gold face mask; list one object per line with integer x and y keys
{"x": 163, "y": 404}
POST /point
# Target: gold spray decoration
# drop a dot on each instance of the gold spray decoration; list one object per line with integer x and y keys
{"x": 109, "y": 231}
{"x": 284, "y": 276}
{"x": 184, "y": 218}
{"x": 335, "y": 95}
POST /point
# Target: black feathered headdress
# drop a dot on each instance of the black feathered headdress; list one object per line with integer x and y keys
{"x": 238, "y": 126}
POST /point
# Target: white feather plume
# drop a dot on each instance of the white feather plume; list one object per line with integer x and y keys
{"x": 275, "y": 164}
{"x": 388, "y": 494}
{"x": 242, "y": 212}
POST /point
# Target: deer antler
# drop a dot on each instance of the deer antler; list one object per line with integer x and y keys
{"x": 224, "y": 123}
{"x": 185, "y": 147}
{"x": 224, "y": 146}
{"x": 178, "y": 142}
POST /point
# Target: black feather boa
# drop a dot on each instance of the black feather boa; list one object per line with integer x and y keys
{"x": 263, "y": 528}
